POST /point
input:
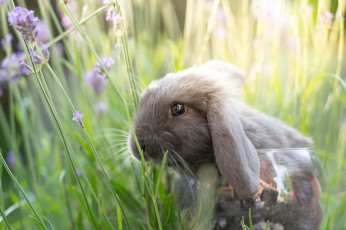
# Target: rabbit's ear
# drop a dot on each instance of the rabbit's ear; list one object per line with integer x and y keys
{"x": 235, "y": 155}
{"x": 234, "y": 74}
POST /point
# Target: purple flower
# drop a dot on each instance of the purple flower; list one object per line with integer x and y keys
{"x": 26, "y": 69}
{"x": 3, "y": 2}
{"x": 10, "y": 69}
{"x": 326, "y": 18}
{"x": 25, "y": 22}
{"x": 79, "y": 172}
{"x": 106, "y": 63}
{"x": 6, "y": 42}
{"x": 39, "y": 60}
{"x": 11, "y": 159}
{"x": 12, "y": 64}
{"x": 96, "y": 81}
{"x": 111, "y": 12}
{"x": 65, "y": 20}
{"x": 43, "y": 34}
{"x": 77, "y": 116}
{"x": 101, "y": 107}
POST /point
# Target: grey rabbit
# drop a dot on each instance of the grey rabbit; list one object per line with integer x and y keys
{"x": 196, "y": 115}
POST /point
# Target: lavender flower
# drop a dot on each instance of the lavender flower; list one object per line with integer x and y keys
{"x": 111, "y": 12}
{"x": 6, "y": 42}
{"x": 65, "y": 20}
{"x": 3, "y": 2}
{"x": 113, "y": 16}
{"x": 106, "y": 63}
{"x": 25, "y": 22}
{"x": 77, "y": 116}
{"x": 101, "y": 107}
{"x": 79, "y": 172}
{"x": 96, "y": 81}
{"x": 39, "y": 60}
{"x": 11, "y": 159}
{"x": 43, "y": 34}
{"x": 11, "y": 64}
{"x": 326, "y": 19}
{"x": 11, "y": 69}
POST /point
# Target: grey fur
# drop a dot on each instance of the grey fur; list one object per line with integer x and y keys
{"x": 217, "y": 127}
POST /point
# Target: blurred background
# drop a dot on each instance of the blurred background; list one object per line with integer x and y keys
{"x": 293, "y": 54}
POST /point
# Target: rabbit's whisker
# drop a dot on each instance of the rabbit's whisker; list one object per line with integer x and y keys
{"x": 184, "y": 163}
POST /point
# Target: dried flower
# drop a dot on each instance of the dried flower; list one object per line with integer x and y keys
{"x": 117, "y": 47}
{"x": 77, "y": 116}
{"x": 106, "y": 63}
{"x": 11, "y": 159}
{"x": 118, "y": 20}
{"x": 25, "y": 22}
{"x": 96, "y": 81}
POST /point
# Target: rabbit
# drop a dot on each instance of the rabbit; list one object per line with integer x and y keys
{"x": 196, "y": 115}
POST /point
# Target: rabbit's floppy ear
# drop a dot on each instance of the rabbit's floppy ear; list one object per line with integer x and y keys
{"x": 235, "y": 155}
{"x": 235, "y": 74}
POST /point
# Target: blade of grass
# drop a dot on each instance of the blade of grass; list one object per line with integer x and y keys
{"x": 5, "y": 219}
{"x": 20, "y": 188}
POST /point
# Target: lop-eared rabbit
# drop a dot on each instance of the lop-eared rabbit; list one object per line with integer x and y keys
{"x": 196, "y": 115}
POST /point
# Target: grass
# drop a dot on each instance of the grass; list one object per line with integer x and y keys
{"x": 68, "y": 176}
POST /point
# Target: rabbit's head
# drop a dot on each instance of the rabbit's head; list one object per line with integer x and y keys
{"x": 191, "y": 114}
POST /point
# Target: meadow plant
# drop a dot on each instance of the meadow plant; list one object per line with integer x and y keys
{"x": 63, "y": 168}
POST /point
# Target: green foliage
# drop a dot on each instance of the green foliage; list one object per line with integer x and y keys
{"x": 72, "y": 176}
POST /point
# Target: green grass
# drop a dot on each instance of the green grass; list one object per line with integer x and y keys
{"x": 296, "y": 71}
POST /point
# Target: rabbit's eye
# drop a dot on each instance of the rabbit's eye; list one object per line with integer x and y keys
{"x": 178, "y": 110}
